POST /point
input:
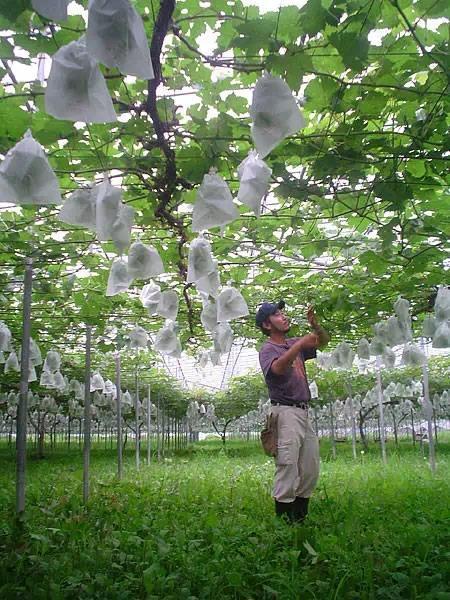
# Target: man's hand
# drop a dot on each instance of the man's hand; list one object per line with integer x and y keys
{"x": 323, "y": 336}
{"x": 310, "y": 340}
{"x": 312, "y": 319}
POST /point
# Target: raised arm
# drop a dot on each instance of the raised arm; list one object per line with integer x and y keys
{"x": 322, "y": 334}
{"x": 282, "y": 364}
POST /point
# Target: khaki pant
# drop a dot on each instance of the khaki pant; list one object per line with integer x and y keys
{"x": 297, "y": 460}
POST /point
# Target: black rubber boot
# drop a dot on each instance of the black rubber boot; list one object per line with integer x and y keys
{"x": 284, "y": 510}
{"x": 300, "y": 509}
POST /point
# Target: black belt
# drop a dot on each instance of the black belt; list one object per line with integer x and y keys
{"x": 303, "y": 406}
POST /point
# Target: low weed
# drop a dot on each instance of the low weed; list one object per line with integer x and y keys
{"x": 200, "y": 525}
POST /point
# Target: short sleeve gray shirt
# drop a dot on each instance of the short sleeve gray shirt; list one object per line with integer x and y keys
{"x": 290, "y": 387}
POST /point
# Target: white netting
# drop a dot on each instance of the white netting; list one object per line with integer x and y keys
{"x": 274, "y": 112}
{"x": 26, "y": 176}
{"x": 76, "y": 89}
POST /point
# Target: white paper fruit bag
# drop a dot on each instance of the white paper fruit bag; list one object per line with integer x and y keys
{"x": 55, "y": 10}
{"x": 116, "y": 37}
{"x": 254, "y": 176}
{"x": 76, "y": 89}
{"x": 200, "y": 260}
{"x": 26, "y": 176}
{"x": 119, "y": 279}
{"x": 231, "y": 305}
{"x": 274, "y": 112}
{"x": 144, "y": 261}
{"x": 214, "y": 204}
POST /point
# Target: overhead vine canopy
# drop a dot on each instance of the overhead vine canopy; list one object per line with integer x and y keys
{"x": 357, "y": 211}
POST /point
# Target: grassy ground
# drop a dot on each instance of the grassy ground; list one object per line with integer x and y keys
{"x": 201, "y": 525}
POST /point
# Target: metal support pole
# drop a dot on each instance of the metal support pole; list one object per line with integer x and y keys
{"x": 136, "y": 412}
{"x": 149, "y": 426}
{"x": 333, "y": 440}
{"x": 381, "y": 409}
{"x": 119, "y": 417}
{"x": 87, "y": 415}
{"x": 158, "y": 427}
{"x": 429, "y": 413}
{"x": 21, "y": 426}
{"x": 413, "y": 433}
{"x": 316, "y": 421}
{"x": 352, "y": 415}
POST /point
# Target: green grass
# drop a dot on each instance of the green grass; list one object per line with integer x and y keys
{"x": 201, "y": 525}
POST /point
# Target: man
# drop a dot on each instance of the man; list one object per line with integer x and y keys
{"x": 282, "y": 361}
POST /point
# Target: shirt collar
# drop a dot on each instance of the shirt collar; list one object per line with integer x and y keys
{"x": 285, "y": 343}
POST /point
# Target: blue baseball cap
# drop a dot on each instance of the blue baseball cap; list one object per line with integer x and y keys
{"x": 266, "y": 309}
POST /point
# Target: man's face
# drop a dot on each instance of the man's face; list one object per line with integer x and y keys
{"x": 278, "y": 322}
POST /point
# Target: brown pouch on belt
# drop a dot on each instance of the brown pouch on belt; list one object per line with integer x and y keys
{"x": 269, "y": 435}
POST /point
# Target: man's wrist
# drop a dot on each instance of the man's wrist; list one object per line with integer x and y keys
{"x": 322, "y": 334}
